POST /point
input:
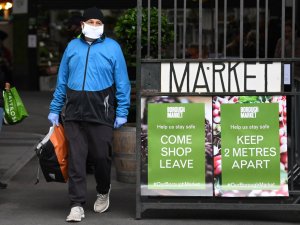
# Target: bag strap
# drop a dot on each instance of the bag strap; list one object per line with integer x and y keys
{"x": 46, "y": 138}
{"x": 37, "y": 152}
{"x": 37, "y": 174}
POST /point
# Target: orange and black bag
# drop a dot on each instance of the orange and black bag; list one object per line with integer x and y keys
{"x": 52, "y": 153}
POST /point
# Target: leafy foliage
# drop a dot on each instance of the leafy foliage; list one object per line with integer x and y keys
{"x": 126, "y": 32}
{"x": 254, "y": 99}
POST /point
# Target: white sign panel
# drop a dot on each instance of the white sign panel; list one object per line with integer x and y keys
{"x": 287, "y": 73}
{"x": 198, "y": 77}
{"x": 32, "y": 41}
{"x": 20, "y": 6}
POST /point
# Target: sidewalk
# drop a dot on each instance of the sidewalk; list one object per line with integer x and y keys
{"x": 16, "y": 149}
{"x": 17, "y": 141}
{"x": 25, "y": 203}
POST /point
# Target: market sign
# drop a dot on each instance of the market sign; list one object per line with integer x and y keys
{"x": 211, "y": 77}
{"x": 176, "y": 146}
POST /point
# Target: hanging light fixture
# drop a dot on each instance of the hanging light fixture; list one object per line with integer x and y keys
{"x": 6, "y": 5}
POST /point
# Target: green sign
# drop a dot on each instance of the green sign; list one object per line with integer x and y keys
{"x": 176, "y": 146}
{"x": 250, "y": 146}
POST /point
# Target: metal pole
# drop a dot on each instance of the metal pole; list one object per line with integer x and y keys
{"x": 159, "y": 29}
{"x": 200, "y": 28}
{"x": 138, "y": 113}
{"x": 282, "y": 28}
{"x": 294, "y": 28}
{"x": 225, "y": 28}
{"x": 216, "y": 27}
{"x": 295, "y": 151}
{"x": 184, "y": 30}
{"x": 175, "y": 29}
{"x": 241, "y": 27}
{"x": 149, "y": 29}
{"x": 257, "y": 28}
{"x": 266, "y": 28}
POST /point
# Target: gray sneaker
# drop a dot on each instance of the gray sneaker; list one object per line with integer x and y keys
{"x": 76, "y": 214}
{"x": 101, "y": 203}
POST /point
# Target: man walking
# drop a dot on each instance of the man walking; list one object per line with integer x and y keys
{"x": 92, "y": 74}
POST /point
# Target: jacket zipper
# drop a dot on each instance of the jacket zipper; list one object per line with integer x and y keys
{"x": 84, "y": 78}
{"x": 86, "y": 62}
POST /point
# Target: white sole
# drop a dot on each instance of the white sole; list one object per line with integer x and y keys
{"x": 76, "y": 220}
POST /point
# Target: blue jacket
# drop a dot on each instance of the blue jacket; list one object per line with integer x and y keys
{"x": 90, "y": 77}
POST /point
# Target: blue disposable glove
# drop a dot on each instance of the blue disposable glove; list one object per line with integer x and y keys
{"x": 53, "y": 118}
{"x": 120, "y": 121}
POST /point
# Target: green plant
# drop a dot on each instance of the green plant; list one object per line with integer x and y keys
{"x": 126, "y": 32}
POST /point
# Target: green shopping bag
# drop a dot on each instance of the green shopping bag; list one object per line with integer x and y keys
{"x": 14, "y": 109}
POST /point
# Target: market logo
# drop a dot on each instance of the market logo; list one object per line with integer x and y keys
{"x": 175, "y": 112}
{"x": 249, "y": 112}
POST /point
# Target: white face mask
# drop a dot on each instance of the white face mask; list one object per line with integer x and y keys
{"x": 93, "y": 32}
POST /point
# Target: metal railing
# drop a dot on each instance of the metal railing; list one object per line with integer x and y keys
{"x": 219, "y": 14}
{"x": 211, "y": 28}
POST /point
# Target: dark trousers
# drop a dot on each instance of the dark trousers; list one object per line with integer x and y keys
{"x": 96, "y": 140}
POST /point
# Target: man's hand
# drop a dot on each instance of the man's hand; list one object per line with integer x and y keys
{"x": 53, "y": 118}
{"x": 120, "y": 121}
